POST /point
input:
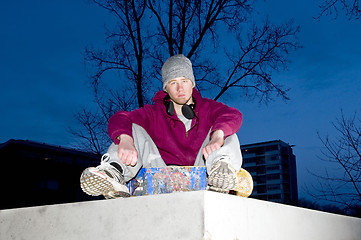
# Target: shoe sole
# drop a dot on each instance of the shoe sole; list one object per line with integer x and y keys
{"x": 215, "y": 189}
{"x": 222, "y": 178}
{"x": 95, "y": 183}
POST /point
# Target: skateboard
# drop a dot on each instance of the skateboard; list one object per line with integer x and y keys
{"x": 244, "y": 186}
{"x": 150, "y": 181}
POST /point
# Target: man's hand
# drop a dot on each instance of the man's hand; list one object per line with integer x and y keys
{"x": 217, "y": 141}
{"x": 126, "y": 150}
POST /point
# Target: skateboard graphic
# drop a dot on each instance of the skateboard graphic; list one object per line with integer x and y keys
{"x": 170, "y": 179}
{"x": 244, "y": 186}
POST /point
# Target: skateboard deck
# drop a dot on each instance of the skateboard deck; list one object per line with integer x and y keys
{"x": 244, "y": 186}
{"x": 151, "y": 181}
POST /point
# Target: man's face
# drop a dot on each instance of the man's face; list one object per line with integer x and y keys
{"x": 180, "y": 90}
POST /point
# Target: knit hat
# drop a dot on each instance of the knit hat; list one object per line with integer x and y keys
{"x": 177, "y": 66}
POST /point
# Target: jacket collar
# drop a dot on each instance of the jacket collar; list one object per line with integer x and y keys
{"x": 160, "y": 95}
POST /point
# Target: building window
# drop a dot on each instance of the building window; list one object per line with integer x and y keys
{"x": 261, "y": 180}
{"x": 50, "y": 185}
{"x": 272, "y": 148}
{"x": 249, "y": 160}
{"x": 273, "y": 176}
{"x": 273, "y": 167}
{"x": 261, "y": 189}
{"x": 274, "y": 197}
{"x": 273, "y": 187}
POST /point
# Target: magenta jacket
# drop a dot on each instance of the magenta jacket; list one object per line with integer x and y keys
{"x": 175, "y": 145}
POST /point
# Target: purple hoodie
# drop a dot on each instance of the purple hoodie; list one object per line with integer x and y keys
{"x": 175, "y": 145}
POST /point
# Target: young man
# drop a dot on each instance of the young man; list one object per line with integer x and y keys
{"x": 181, "y": 128}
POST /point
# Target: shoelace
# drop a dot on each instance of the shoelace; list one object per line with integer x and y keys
{"x": 108, "y": 168}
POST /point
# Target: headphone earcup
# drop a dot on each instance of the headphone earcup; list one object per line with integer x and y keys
{"x": 188, "y": 112}
{"x": 170, "y": 108}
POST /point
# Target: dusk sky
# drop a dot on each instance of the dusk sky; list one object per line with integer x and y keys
{"x": 44, "y": 78}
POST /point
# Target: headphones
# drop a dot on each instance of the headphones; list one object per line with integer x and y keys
{"x": 187, "y": 109}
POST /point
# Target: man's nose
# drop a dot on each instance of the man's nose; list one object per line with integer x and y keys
{"x": 180, "y": 86}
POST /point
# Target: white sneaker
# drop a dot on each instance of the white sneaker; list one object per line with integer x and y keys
{"x": 104, "y": 179}
{"x": 222, "y": 177}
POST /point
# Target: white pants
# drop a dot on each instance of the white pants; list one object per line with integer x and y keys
{"x": 149, "y": 156}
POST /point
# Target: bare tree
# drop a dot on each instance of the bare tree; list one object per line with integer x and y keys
{"x": 148, "y": 31}
{"x": 266, "y": 50}
{"x": 126, "y": 53}
{"x": 344, "y": 150}
{"x": 124, "y": 61}
{"x": 91, "y": 136}
{"x": 250, "y": 61}
{"x": 332, "y": 7}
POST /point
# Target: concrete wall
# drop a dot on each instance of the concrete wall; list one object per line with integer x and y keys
{"x": 189, "y": 215}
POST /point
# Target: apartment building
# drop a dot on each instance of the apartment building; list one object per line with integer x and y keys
{"x": 36, "y": 174}
{"x": 273, "y": 168}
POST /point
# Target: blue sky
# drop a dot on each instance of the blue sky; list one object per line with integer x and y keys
{"x": 43, "y": 80}
{"x": 43, "y": 75}
{"x": 324, "y": 77}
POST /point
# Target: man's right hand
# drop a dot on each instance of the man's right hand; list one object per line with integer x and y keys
{"x": 126, "y": 150}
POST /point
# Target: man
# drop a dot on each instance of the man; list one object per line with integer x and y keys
{"x": 180, "y": 128}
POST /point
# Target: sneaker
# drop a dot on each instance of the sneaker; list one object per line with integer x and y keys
{"x": 104, "y": 179}
{"x": 222, "y": 177}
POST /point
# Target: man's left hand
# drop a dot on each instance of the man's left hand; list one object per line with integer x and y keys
{"x": 216, "y": 142}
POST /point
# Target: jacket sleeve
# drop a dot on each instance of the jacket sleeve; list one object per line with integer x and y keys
{"x": 122, "y": 121}
{"x": 225, "y": 118}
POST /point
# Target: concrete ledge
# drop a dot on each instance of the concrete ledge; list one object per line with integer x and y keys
{"x": 189, "y": 215}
